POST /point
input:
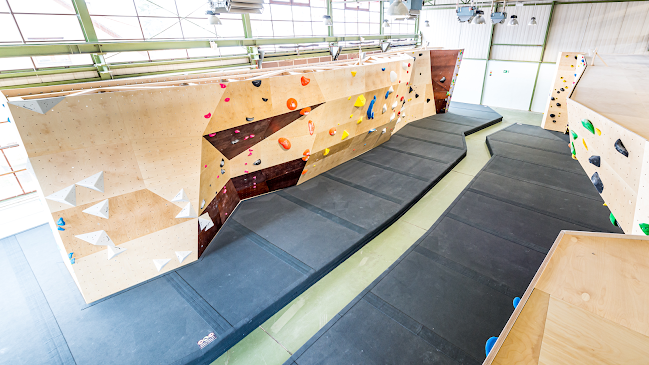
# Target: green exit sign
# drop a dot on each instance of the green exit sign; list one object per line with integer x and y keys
{"x": 505, "y": 71}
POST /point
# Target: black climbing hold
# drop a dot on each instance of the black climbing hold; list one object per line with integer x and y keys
{"x": 562, "y": 89}
{"x": 258, "y": 162}
{"x": 428, "y": 100}
{"x": 554, "y": 121}
{"x": 551, "y": 115}
{"x": 558, "y": 104}
{"x": 416, "y": 96}
{"x": 551, "y": 97}
{"x": 264, "y": 99}
{"x": 620, "y": 148}
{"x": 420, "y": 54}
{"x": 235, "y": 141}
{"x": 410, "y": 90}
{"x": 442, "y": 79}
{"x": 250, "y": 119}
{"x": 594, "y": 160}
{"x": 597, "y": 182}
{"x": 222, "y": 172}
{"x": 257, "y": 83}
{"x": 558, "y": 92}
{"x": 575, "y": 57}
{"x": 222, "y": 162}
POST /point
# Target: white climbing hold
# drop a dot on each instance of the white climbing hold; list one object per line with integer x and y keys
{"x": 114, "y": 251}
{"x": 404, "y": 65}
{"x": 393, "y": 76}
{"x": 160, "y": 263}
{"x": 65, "y": 196}
{"x": 391, "y": 89}
{"x": 384, "y": 130}
{"x": 187, "y": 212}
{"x": 100, "y": 209}
{"x": 395, "y": 104}
{"x": 97, "y": 238}
{"x": 180, "y": 197}
{"x": 205, "y": 222}
{"x": 203, "y": 204}
{"x": 392, "y": 117}
{"x": 385, "y": 108}
{"x": 41, "y": 106}
{"x": 94, "y": 182}
{"x": 182, "y": 255}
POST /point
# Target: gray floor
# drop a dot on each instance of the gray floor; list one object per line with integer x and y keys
{"x": 451, "y": 291}
{"x": 270, "y": 250}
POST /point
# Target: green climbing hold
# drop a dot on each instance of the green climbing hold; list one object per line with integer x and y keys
{"x": 574, "y": 135}
{"x": 645, "y": 228}
{"x": 572, "y": 149}
{"x": 613, "y": 220}
{"x": 588, "y": 125}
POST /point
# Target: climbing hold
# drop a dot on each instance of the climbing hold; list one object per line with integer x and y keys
{"x": 554, "y": 121}
{"x": 203, "y": 204}
{"x": 551, "y": 97}
{"x": 383, "y": 131}
{"x": 645, "y": 228}
{"x": 285, "y": 143}
{"x": 597, "y": 182}
{"x": 562, "y": 89}
{"x": 383, "y": 69}
{"x": 326, "y": 152}
{"x": 573, "y": 134}
{"x": 306, "y": 155}
{"x": 250, "y": 119}
{"x": 371, "y": 130}
{"x": 222, "y": 163}
{"x": 595, "y": 160}
{"x": 585, "y": 146}
{"x": 385, "y": 108}
{"x": 208, "y": 115}
{"x": 291, "y": 104}
{"x": 401, "y": 98}
{"x": 392, "y": 117}
{"x": 370, "y": 111}
{"x": 237, "y": 131}
{"x": 428, "y": 100}
{"x": 257, "y": 83}
{"x": 304, "y": 172}
{"x": 551, "y": 115}
{"x": 264, "y": 99}
{"x": 393, "y": 76}
{"x": 558, "y": 104}
{"x": 332, "y": 131}
{"x": 345, "y": 135}
{"x": 61, "y": 229}
{"x": 305, "y": 111}
{"x": 65, "y": 196}
{"x": 360, "y": 101}
{"x": 222, "y": 172}
{"x": 572, "y": 149}
{"x": 416, "y": 96}
{"x": 60, "y": 222}
{"x": 390, "y": 91}
{"x": 305, "y": 81}
{"x": 588, "y": 125}
{"x": 101, "y": 209}
{"x": 311, "y": 127}
{"x": 404, "y": 65}
{"x": 353, "y": 73}
{"x": 490, "y": 344}
{"x": 212, "y": 134}
{"x": 349, "y": 98}
{"x": 599, "y": 133}
{"x": 613, "y": 220}
{"x": 359, "y": 120}
{"x": 351, "y": 115}
{"x": 409, "y": 91}
{"x": 619, "y": 146}
{"x": 394, "y": 105}
{"x": 442, "y": 79}
{"x": 222, "y": 86}
{"x": 257, "y": 163}
{"x": 226, "y": 99}
{"x": 516, "y": 301}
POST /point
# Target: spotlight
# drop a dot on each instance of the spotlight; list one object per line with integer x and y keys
{"x": 513, "y": 20}
{"x": 532, "y": 21}
{"x": 499, "y": 17}
{"x": 212, "y": 18}
{"x": 397, "y": 8}
{"x": 326, "y": 19}
{"x": 386, "y": 24}
{"x": 427, "y": 23}
{"x": 465, "y": 13}
{"x": 479, "y": 19}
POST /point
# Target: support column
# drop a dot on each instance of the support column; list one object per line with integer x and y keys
{"x": 90, "y": 35}
{"x": 486, "y": 65}
{"x": 545, "y": 42}
{"x": 247, "y": 33}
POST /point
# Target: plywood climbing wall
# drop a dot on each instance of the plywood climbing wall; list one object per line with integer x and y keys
{"x": 570, "y": 67}
{"x": 444, "y": 68}
{"x": 140, "y": 178}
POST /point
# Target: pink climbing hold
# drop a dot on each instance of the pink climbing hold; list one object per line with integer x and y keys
{"x": 246, "y": 171}
{"x": 212, "y": 134}
{"x": 227, "y": 99}
{"x": 237, "y": 131}
{"x": 254, "y": 177}
{"x": 245, "y": 163}
{"x": 246, "y": 137}
{"x": 252, "y": 136}
{"x": 217, "y": 176}
{"x": 205, "y": 166}
{"x": 249, "y": 149}
{"x": 223, "y": 87}
{"x": 250, "y": 154}
{"x": 208, "y": 115}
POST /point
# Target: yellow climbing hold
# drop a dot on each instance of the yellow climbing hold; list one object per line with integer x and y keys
{"x": 583, "y": 140}
{"x": 326, "y": 152}
{"x": 599, "y": 133}
{"x": 360, "y": 101}
{"x": 350, "y": 115}
{"x": 606, "y": 205}
{"x": 359, "y": 120}
{"x": 345, "y": 135}
{"x": 353, "y": 73}
{"x": 574, "y": 157}
{"x": 349, "y": 98}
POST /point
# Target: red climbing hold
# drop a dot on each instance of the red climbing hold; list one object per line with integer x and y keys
{"x": 311, "y": 127}
{"x": 208, "y": 115}
{"x": 332, "y": 131}
{"x": 402, "y": 98}
{"x": 227, "y": 99}
{"x": 305, "y": 111}
{"x": 305, "y": 81}
{"x": 222, "y": 86}
{"x": 285, "y": 143}
{"x": 291, "y": 104}
{"x": 408, "y": 65}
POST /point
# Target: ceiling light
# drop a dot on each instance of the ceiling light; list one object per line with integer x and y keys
{"x": 465, "y": 13}
{"x": 397, "y": 8}
{"x": 498, "y": 17}
{"x": 479, "y": 19}
{"x": 327, "y": 20}
{"x": 213, "y": 19}
{"x": 532, "y": 21}
{"x": 513, "y": 20}
{"x": 427, "y": 23}
{"x": 386, "y": 24}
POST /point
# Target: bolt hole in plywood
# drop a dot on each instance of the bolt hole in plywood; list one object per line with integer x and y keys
{"x": 162, "y": 137}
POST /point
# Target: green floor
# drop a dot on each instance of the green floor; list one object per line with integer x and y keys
{"x": 284, "y": 333}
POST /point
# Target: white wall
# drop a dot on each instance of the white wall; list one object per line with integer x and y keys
{"x": 468, "y": 85}
{"x": 511, "y": 89}
{"x": 543, "y": 85}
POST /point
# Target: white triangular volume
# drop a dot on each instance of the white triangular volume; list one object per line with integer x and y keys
{"x": 65, "y": 196}
{"x": 94, "y": 182}
{"x": 395, "y": 104}
{"x": 180, "y": 197}
{"x": 187, "y": 212}
{"x": 391, "y": 89}
{"x": 98, "y": 238}
{"x": 160, "y": 263}
{"x": 41, "y": 106}
{"x": 385, "y": 108}
{"x": 205, "y": 222}
{"x": 392, "y": 117}
{"x": 114, "y": 251}
{"x": 398, "y": 120}
{"x": 393, "y": 76}
{"x": 100, "y": 209}
{"x": 182, "y": 255}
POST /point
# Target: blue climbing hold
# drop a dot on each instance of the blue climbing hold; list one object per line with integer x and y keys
{"x": 490, "y": 344}
{"x": 383, "y": 69}
{"x": 516, "y": 301}
{"x": 8, "y": 120}
{"x": 60, "y": 222}
{"x": 371, "y": 130}
{"x": 70, "y": 255}
{"x": 72, "y": 261}
{"x": 61, "y": 229}
{"x": 370, "y": 112}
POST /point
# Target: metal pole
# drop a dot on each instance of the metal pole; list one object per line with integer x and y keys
{"x": 90, "y": 35}
{"x": 486, "y": 65}
{"x": 382, "y": 18}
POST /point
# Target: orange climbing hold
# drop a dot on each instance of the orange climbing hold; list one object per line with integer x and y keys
{"x": 285, "y": 143}
{"x": 291, "y": 104}
{"x": 306, "y": 155}
{"x": 305, "y": 81}
{"x": 332, "y": 132}
{"x": 305, "y": 111}
{"x": 311, "y": 127}
{"x": 304, "y": 172}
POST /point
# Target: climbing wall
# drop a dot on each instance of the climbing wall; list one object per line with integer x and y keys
{"x": 570, "y": 67}
{"x": 139, "y": 179}
{"x": 444, "y": 68}
{"x": 617, "y": 161}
